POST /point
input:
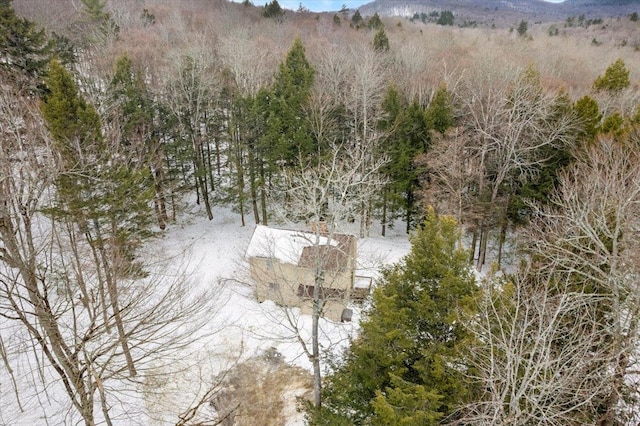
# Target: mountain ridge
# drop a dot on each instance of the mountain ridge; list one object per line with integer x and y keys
{"x": 494, "y": 11}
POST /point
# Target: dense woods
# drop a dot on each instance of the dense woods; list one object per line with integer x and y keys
{"x": 510, "y": 154}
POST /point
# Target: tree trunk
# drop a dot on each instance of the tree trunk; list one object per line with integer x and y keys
{"x": 482, "y": 252}
{"x": 315, "y": 326}
{"x": 159, "y": 202}
{"x": 52, "y": 342}
{"x": 253, "y": 186}
{"x": 240, "y": 174}
{"x": 384, "y": 214}
{"x": 263, "y": 195}
{"x": 196, "y": 182}
{"x": 112, "y": 289}
{"x": 315, "y": 347}
{"x": 363, "y": 219}
{"x": 409, "y": 210}
{"x": 501, "y": 240}
{"x": 474, "y": 243}
{"x": 101, "y": 281}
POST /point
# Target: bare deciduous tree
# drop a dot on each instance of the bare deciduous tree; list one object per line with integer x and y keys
{"x": 591, "y": 235}
{"x": 366, "y": 86}
{"x": 191, "y": 98}
{"x": 559, "y": 345}
{"x": 326, "y": 194}
{"x": 537, "y": 354}
{"x": 449, "y": 174}
{"x": 511, "y": 119}
{"x": 53, "y": 296}
{"x": 249, "y": 72}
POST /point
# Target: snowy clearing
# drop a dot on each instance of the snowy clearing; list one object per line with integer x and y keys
{"x": 238, "y": 332}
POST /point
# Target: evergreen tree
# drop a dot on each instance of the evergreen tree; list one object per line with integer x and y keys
{"x": 129, "y": 94}
{"x": 522, "y": 28}
{"x": 356, "y": 19}
{"x": 95, "y": 10}
{"x": 446, "y": 18}
{"x": 26, "y": 51}
{"x": 101, "y": 25}
{"x": 381, "y": 41}
{"x": 440, "y": 112}
{"x": 375, "y": 22}
{"x": 392, "y": 106}
{"x": 74, "y": 124}
{"x": 614, "y": 80}
{"x": 407, "y": 137}
{"x": 404, "y": 368}
{"x": 96, "y": 193}
{"x": 543, "y": 183}
{"x": 589, "y": 117}
{"x": 97, "y": 190}
{"x": 192, "y": 105}
{"x": 273, "y": 10}
{"x": 22, "y": 45}
{"x": 286, "y": 133}
{"x": 613, "y": 125}
{"x": 142, "y": 152}
{"x": 285, "y": 136}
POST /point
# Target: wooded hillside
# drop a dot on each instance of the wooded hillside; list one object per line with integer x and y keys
{"x": 114, "y": 113}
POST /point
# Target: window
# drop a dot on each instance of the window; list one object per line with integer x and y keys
{"x": 306, "y": 291}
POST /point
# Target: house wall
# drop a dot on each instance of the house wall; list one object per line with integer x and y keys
{"x": 280, "y": 282}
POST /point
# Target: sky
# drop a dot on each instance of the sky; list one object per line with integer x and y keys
{"x": 328, "y": 5}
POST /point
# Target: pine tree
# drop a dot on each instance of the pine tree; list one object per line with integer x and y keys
{"x": 101, "y": 27}
{"x": 356, "y": 19}
{"x": 408, "y": 137}
{"x": 95, "y": 10}
{"x": 589, "y": 117}
{"x": 74, "y": 124}
{"x": 285, "y": 137}
{"x": 613, "y": 125}
{"x": 99, "y": 190}
{"x": 522, "y": 28}
{"x": 97, "y": 194}
{"x": 381, "y": 41}
{"x": 287, "y": 134}
{"x": 446, "y": 18}
{"x": 192, "y": 105}
{"x": 392, "y": 106}
{"x": 129, "y": 94}
{"x": 404, "y": 366}
{"x": 440, "y": 112}
{"x": 273, "y": 10}
{"x": 615, "y": 78}
{"x": 541, "y": 185}
{"x": 142, "y": 152}
{"x": 26, "y": 51}
{"x": 375, "y": 22}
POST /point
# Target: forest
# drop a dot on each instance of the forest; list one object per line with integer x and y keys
{"x": 509, "y": 156}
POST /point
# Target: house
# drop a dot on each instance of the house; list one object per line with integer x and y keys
{"x": 284, "y": 265}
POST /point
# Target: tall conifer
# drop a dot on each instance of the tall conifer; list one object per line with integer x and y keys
{"x": 402, "y": 367}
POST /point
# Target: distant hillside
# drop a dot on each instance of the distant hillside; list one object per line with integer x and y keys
{"x": 498, "y": 12}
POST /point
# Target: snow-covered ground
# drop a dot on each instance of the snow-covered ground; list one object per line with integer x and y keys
{"x": 211, "y": 255}
{"x": 240, "y": 328}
